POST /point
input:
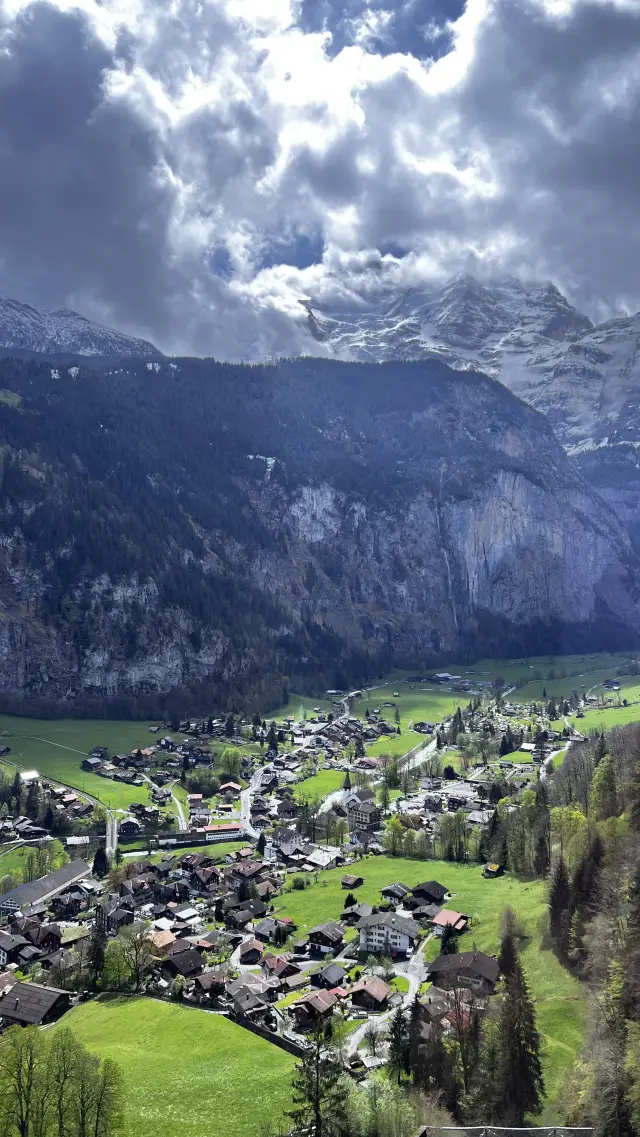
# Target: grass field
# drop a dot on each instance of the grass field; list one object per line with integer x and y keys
{"x": 559, "y": 1004}
{"x": 14, "y": 862}
{"x": 321, "y": 784}
{"x": 185, "y": 1070}
{"x": 55, "y": 748}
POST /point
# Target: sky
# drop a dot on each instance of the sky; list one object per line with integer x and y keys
{"x": 188, "y": 170}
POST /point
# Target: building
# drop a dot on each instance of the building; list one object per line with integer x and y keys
{"x": 370, "y": 994}
{"x": 328, "y": 977}
{"x": 394, "y": 894}
{"x": 364, "y": 815}
{"x": 429, "y": 892}
{"x": 351, "y": 881}
{"x": 313, "y": 1008}
{"x": 30, "y": 1004}
{"x": 326, "y": 937}
{"x": 385, "y": 933}
{"x": 26, "y": 896}
{"x": 468, "y": 969}
{"x": 447, "y": 918}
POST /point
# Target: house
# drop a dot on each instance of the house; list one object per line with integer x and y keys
{"x": 394, "y": 894}
{"x": 281, "y": 966}
{"x": 471, "y": 969}
{"x": 129, "y": 827}
{"x": 351, "y": 881}
{"x": 386, "y": 933}
{"x": 328, "y": 977}
{"x": 10, "y": 947}
{"x": 250, "y": 952}
{"x": 447, "y": 918}
{"x": 313, "y": 1008}
{"x": 271, "y": 931}
{"x": 355, "y": 912}
{"x": 370, "y": 994}
{"x": 91, "y": 765}
{"x": 430, "y": 892}
{"x": 365, "y": 815}
{"x": 186, "y": 963}
{"x": 326, "y": 937}
{"x": 30, "y": 1004}
{"x": 210, "y": 982}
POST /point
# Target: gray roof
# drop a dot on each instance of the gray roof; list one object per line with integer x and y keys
{"x": 390, "y": 920}
{"x": 29, "y": 1002}
{"x": 477, "y": 961}
{"x": 36, "y": 890}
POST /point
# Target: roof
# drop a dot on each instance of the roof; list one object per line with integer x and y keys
{"x": 447, "y": 918}
{"x": 320, "y": 1001}
{"x": 251, "y": 945}
{"x": 30, "y": 1002}
{"x": 395, "y": 889}
{"x": 27, "y": 894}
{"x": 432, "y": 888}
{"x": 350, "y": 880}
{"x": 331, "y": 930}
{"x": 485, "y": 965}
{"x": 375, "y": 987}
{"x": 186, "y": 962}
{"x": 333, "y": 973}
{"x": 391, "y": 920}
{"x": 364, "y": 807}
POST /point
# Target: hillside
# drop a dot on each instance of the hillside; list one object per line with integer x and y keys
{"x": 194, "y": 523}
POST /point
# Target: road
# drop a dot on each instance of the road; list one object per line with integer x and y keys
{"x": 415, "y": 971}
{"x": 182, "y": 821}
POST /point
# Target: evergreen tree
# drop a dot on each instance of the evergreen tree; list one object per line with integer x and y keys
{"x": 398, "y": 1044}
{"x": 519, "y": 1080}
{"x": 260, "y": 844}
{"x": 346, "y": 785}
{"x": 508, "y": 955}
{"x": 320, "y": 1097}
{"x": 448, "y": 941}
{"x": 604, "y": 792}
{"x": 229, "y": 726}
{"x": 100, "y": 862}
{"x": 559, "y": 900}
{"x": 541, "y": 853}
{"x": 95, "y": 955}
{"x": 32, "y": 807}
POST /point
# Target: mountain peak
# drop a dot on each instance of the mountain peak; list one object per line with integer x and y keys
{"x": 63, "y": 332}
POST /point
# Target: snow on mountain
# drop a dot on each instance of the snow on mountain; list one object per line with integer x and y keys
{"x": 528, "y": 336}
{"x": 63, "y": 332}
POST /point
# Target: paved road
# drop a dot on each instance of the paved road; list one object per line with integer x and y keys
{"x": 415, "y": 971}
{"x": 182, "y": 821}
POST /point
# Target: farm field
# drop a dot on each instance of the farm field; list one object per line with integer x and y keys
{"x": 559, "y": 1003}
{"x": 186, "y": 1070}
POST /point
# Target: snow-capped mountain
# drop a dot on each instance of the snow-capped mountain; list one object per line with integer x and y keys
{"x": 585, "y": 378}
{"x": 63, "y": 332}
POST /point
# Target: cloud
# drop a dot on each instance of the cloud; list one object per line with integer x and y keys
{"x": 188, "y": 171}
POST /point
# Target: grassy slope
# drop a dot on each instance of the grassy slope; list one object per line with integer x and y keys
{"x": 559, "y": 1004}
{"x": 186, "y": 1071}
{"x": 14, "y": 861}
{"x": 56, "y": 749}
{"x": 321, "y": 784}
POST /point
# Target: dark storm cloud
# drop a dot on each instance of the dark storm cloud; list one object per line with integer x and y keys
{"x": 190, "y": 172}
{"x": 81, "y": 179}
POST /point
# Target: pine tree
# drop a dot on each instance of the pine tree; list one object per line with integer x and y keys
{"x": 448, "y": 941}
{"x": 95, "y": 955}
{"x": 520, "y": 1084}
{"x": 320, "y": 1098}
{"x": 508, "y": 955}
{"x": 559, "y": 900}
{"x": 604, "y": 792}
{"x": 100, "y": 862}
{"x": 260, "y": 844}
{"x": 346, "y": 785}
{"x": 398, "y": 1044}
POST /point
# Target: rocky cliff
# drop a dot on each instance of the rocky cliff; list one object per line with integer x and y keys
{"x": 198, "y": 523}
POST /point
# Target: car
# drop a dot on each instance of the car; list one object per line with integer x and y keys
{"x": 359, "y": 1015}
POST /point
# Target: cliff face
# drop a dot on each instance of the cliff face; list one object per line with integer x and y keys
{"x": 206, "y": 523}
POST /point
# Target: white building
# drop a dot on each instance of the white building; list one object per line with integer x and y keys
{"x": 385, "y": 933}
